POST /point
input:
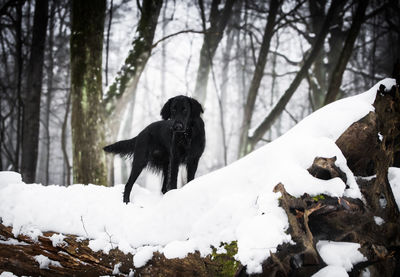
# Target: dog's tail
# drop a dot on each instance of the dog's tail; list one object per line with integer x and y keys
{"x": 125, "y": 148}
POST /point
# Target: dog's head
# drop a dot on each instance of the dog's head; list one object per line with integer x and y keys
{"x": 181, "y": 109}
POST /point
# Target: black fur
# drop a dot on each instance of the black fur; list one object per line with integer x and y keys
{"x": 163, "y": 145}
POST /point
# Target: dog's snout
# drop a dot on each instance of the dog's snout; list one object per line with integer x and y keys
{"x": 178, "y": 126}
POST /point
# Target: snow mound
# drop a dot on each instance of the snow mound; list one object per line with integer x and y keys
{"x": 235, "y": 203}
{"x": 340, "y": 254}
{"x": 331, "y": 271}
{"x": 394, "y": 180}
{"x": 9, "y": 177}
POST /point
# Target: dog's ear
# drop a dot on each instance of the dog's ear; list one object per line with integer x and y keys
{"x": 196, "y": 108}
{"x": 166, "y": 110}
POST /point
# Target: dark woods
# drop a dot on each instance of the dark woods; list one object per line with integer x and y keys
{"x": 266, "y": 64}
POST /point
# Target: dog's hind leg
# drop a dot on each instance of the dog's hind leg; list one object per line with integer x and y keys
{"x": 136, "y": 170}
{"x": 140, "y": 160}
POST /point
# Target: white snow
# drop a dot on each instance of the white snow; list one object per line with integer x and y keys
{"x": 12, "y": 241}
{"x": 7, "y": 274}
{"x": 144, "y": 254}
{"x": 9, "y": 177}
{"x": 331, "y": 271}
{"x": 58, "y": 240}
{"x": 394, "y": 180}
{"x": 340, "y": 254}
{"x": 235, "y": 203}
{"x": 379, "y": 220}
{"x": 45, "y": 262}
{"x": 116, "y": 269}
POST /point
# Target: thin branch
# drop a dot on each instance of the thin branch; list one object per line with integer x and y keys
{"x": 291, "y": 116}
{"x": 175, "y": 34}
{"x": 285, "y": 58}
{"x": 108, "y": 39}
{"x": 139, "y": 6}
{"x": 84, "y": 228}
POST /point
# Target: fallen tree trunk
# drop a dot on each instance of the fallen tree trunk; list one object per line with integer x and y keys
{"x": 72, "y": 256}
{"x": 370, "y": 146}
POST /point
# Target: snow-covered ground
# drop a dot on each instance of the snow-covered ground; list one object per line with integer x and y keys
{"x": 235, "y": 203}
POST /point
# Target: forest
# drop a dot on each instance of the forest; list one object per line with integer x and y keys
{"x": 258, "y": 67}
{"x": 77, "y": 75}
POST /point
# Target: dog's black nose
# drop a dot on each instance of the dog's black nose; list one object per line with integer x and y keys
{"x": 178, "y": 126}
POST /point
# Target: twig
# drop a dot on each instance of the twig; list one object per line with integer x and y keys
{"x": 83, "y": 224}
{"x": 109, "y": 236}
{"x": 175, "y": 34}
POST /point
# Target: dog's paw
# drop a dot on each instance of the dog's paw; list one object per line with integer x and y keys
{"x": 126, "y": 199}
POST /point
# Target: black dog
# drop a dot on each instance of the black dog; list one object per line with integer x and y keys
{"x": 164, "y": 145}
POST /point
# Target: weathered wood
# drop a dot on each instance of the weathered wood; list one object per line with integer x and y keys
{"x": 75, "y": 258}
{"x": 359, "y": 144}
{"x": 325, "y": 169}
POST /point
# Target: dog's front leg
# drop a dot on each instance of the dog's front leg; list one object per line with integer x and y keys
{"x": 192, "y": 168}
{"x": 173, "y": 167}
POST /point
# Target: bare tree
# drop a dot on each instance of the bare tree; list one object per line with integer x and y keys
{"x": 87, "y": 118}
{"x": 123, "y": 89}
{"x": 212, "y": 37}
{"x": 44, "y": 153}
{"x": 258, "y": 74}
{"x": 284, "y": 99}
{"x": 337, "y": 74}
{"x": 32, "y": 93}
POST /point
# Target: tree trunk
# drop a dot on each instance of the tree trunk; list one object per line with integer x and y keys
{"x": 257, "y": 77}
{"x": 223, "y": 96}
{"x": 32, "y": 93}
{"x": 19, "y": 68}
{"x": 337, "y": 74}
{"x": 73, "y": 257}
{"x": 87, "y": 116}
{"x": 67, "y": 165}
{"x": 281, "y": 104}
{"x": 322, "y": 70}
{"x": 212, "y": 38}
{"x": 44, "y": 153}
{"x": 124, "y": 86}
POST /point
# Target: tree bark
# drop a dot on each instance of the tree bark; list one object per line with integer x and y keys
{"x": 124, "y": 86}
{"x": 32, "y": 93}
{"x": 19, "y": 68}
{"x": 87, "y": 117}
{"x": 281, "y": 104}
{"x": 212, "y": 37}
{"x": 337, "y": 74}
{"x": 257, "y": 77}
{"x": 44, "y": 150}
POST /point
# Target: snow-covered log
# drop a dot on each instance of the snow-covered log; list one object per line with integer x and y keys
{"x": 265, "y": 215}
{"x": 52, "y": 254}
